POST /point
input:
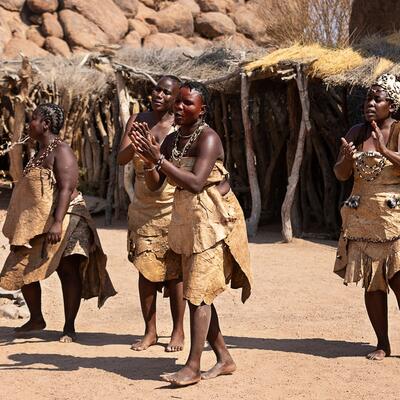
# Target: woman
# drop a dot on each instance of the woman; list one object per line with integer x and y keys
{"x": 50, "y": 229}
{"x": 148, "y": 218}
{"x": 369, "y": 244}
{"x": 207, "y": 227}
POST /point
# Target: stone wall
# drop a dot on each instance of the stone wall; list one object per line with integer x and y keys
{"x": 63, "y": 27}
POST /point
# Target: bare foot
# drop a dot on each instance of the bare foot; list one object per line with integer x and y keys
{"x": 31, "y": 325}
{"x": 148, "y": 340}
{"x": 183, "y": 377}
{"x": 176, "y": 342}
{"x": 68, "y": 337}
{"x": 378, "y": 355}
{"x": 220, "y": 368}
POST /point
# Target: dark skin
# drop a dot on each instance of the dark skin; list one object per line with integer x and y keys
{"x": 157, "y": 123}
{"x": 204, "y": 325}
{"x": 377, "y": 110}
{"x": 63, "y": 163}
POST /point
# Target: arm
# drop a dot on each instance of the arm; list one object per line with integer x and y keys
{"x": 380, "y": 145}
{"x": 343, "y": 168}
{"x": 209, "y": 148}
{"x": 126, "y": 150}
{"x": 66, "y": 173}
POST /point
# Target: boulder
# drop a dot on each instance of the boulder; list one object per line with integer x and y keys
{"x": 129, "y": 7}
{"x": 199, "y": 42}
{"x": 9, "y": 311}
{"x": 5, "y": 33}
{"x": 142, "y": 28}
{"x": 103, "y": 13}
{"x": 145, "y": 12}
{"x": 13, "y": 20}
{"x": 214, "y": 24}
{"x": 57, "y": 46}
{"x": 237, "y": 41}
{"x": 51, "y": 26}
{"x": 12, "y": 5}
{"x": 248, "y": 22}
{"x": 174, "y": 18}
{"x": 191, "y": 5}
{"x": 36, "y": 19}
{"x": 165, "y": 40}
{"x": 33, "y": 34}
{"x": 133, "y": 39}
{"x": 213, "y": 5}
{"x": 150, "y": 3}
{"x": 80, "y": 32}
{"x": 42, "y": 6}
{"x": 16, "y": 46}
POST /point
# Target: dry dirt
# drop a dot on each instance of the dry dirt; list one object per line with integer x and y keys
{"x": 301, "y": 335}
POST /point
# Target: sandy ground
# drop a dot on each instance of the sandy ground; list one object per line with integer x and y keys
{"x": 302, "y": 335}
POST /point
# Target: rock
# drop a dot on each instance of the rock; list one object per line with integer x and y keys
{"x": 35, "y": 36}
{"x": 51, "y": 26}
{"x": 214, "y": 24}
{"x": 36, "y": 19}
{"x": 237, "y": 41}
{"x": 9, "y": 311}
{"x": 5, "y": 33}
{"x": 150, "y": 3}
{"x": 129, "y": 7}
{"x": 213, "y": 5}
{"x": 248, "y": 22}
{"x": 16, "y": 46}
{"x": 191, "y": 5}
{"x": 57, "y": 46}
{"x": 165, "y": 40}
{"x": 80, "y": 32}
{"x": 174, "y": 18}
{"x": 42, "y": 6}
{"x": 23, "y": 312}
{"x": 140, "y": 27}
{"x": 103, "y": 13}
{"x": 199, "y": 42}
{"x": 133, "y": 39}
{"x": 12, "y": 5}
{"x": 16, "y": 25}
{"x": 145, "y": 12}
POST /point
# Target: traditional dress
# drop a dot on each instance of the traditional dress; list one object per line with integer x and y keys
{"x": 149, "y": 216}
{"x": 31, "y": 259}
{"x": 369, "y": 245}
{"x": 209, "y": 232}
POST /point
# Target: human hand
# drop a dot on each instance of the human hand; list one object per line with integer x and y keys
{"x": 54, "y": 233}
{"x": 378, "y": 138}
{"x": 146, "y": 147}
{"x": 348, "y": 149}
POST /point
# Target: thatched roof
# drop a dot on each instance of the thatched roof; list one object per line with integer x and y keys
{"x": 357, "y": 65}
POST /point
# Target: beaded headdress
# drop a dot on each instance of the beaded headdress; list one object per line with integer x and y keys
{"x": 391, "y": 86}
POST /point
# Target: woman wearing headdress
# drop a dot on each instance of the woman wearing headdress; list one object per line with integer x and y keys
{"x": 50, "y": 229}
{"x": 149, "y": 215}
{"x": 369, "y": 245}
{"x": 207, "y": 227}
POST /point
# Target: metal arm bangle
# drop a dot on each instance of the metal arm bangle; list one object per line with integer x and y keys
{"x": 150, "y": 169}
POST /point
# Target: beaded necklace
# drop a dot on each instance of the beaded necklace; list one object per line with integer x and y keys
{"x": 368, "y": 171}
{"x": 178, "y": 154}
{"x": 33, "y": 163}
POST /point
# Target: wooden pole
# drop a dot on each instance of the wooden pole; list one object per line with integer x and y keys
{"x": 123, "y": 98}
{"x": 252, "y": 222}
{"x": 25, "y": 74}
{"x": 305, "y": 126}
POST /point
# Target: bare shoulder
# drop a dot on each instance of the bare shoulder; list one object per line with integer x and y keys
{"x": 354, "y": 132}
{"x": 64, "y": 151}
{"x": 210, "y": 135}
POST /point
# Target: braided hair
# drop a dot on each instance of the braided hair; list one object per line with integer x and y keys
{"x": 52, "y": 113}
{"x": 202, "y": 90}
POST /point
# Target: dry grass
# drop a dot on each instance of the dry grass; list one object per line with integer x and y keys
{"x": 306, "y": 21}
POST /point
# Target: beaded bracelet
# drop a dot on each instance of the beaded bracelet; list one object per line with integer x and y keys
{"x": 159, "y": 162}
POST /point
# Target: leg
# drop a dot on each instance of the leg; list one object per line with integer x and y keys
{"x": 177, "y": 305}
{"x": 225, "y": 364}
{"x": 148, "y": 299}
{"x": 376, "y": 303}
{"x": 199, "y": 324}
{"x": 33, "y": 297}
{"x": 394, "y": 284}
{"x": 69, "y": 274}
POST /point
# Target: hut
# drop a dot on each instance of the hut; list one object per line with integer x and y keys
{"x": 280, "y": 117}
